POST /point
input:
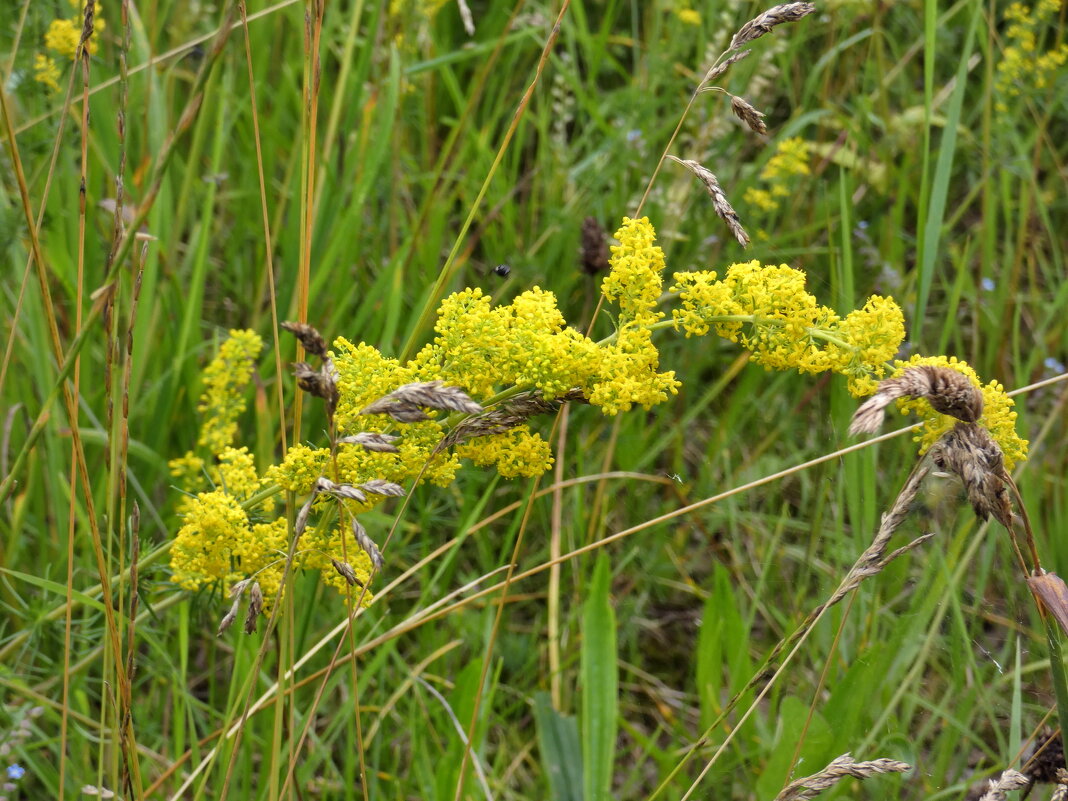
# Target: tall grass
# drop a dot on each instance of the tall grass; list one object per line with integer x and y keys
{"x": 575, "y": 637}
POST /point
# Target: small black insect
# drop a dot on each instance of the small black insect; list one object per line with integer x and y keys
{"x": 502, "y": 270}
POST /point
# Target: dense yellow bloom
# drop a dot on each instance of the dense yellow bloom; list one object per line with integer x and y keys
{"x": 760, "y": 198}
{"x": 63, "y": 35}
{"x": 767, "y": 311}
{"x": 688, "y": 16}
{"x": 634, "y": 280}
{"x": 790, "y": 159}
{"x": 46, "y": 72}
{"x": 494, "y": 353}
{"x": 225, "y": 379}
{"x": 1024, "y": 63}
{"x": 514, "y": 453}
{"x": 998, "y": 415}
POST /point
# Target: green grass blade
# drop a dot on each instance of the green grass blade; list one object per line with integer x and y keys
{"x": 600, "y": 680}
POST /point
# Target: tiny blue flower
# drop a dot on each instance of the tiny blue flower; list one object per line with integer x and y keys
{"x": 634, "y": 135}
{"x": 1054, "y": 365}
{"x": 988, "y": 284}
{"x": 15, "y": 771}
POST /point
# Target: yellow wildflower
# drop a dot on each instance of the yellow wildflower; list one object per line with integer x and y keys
{"x": 517, "y": 452}
{"x": 225, "y": 380}
{"x": 46, "y": 72}
{"x": 790, "y": 159}
{"x": 688, "y": 16}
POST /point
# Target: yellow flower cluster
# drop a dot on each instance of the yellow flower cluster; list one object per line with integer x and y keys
{"x": 1024, "y": 62}
{"x": 767, "y": 311}
{"x": 493, "y": 354}
{"x": 688, "y": 16}
{"x": 62, "y": 38}
{"x": 225, "y": 380}
{"x": 790, "y": 160}
{"x": 514, "y": 453}
{"x": 219, "y": 541}
{"x": 998, "y": 415}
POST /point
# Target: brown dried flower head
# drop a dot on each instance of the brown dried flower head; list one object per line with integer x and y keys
{"x": 948, "y": 392}
{"x": 594, "y": 253}
{"x": 970, "y": 452}
{"x": 719, "y": 200}
{"x": 255, "y": 608}
{"x": 372, "y": 441}
{"x": 345, "y": 570}
{"x": 404, "y": 403}
{"x": 310, "y": 339}
{"x": 763, "y": 23}
{"x": 367, "y": 544}
{"x": 745, "y": 111}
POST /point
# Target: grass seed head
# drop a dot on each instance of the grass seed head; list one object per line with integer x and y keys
{"x": 310, "y": 339}
{"x": 719, "y": 69}
{"x": 838, "y": 769}
{"x": 763, "y": 23}
{"x": 948, "y": 391}
{"x": 745, "y": 111}
{"x": 969, "y": 452}
{"x": 255, "y": 608}
{"x": 345, "y": 570}
{"x": 1008, "y": 781}
{"x": 372, "y": 441}
{"x": 594, "y": 253}
{"x": 719, "y": 199}
{"x": 367, "y": 544}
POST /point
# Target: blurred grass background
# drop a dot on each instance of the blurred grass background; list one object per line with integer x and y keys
{"x": 930, "y": 178}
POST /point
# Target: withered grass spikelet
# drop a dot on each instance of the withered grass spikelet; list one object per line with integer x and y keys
{"x": 719, "y": 200}
{"x": 594, "y": 253}
{"x": 1008, "y": 781}
{"x": 970, "y": 452}
{"x": 367, "y": 544}
{"x": 717, "y": 70}
{"x": 948, "y": 392}
{"x": 310, "y": 339}
{"x": 745, "y": 111}
{"x": 403, "y": 404}
{"x": 255, "y": 608}
{"x": 838, "y": 769}
{"x": 372, "y": 441}
{"x": 345, "y": 570}
{"x": 763, "y": 23}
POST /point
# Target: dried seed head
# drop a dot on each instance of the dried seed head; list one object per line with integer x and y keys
{"x": 948, "y": 392}
{"x": 763, "y": 23}
{"x": 744, "y": 111}
{"x": 255, "y": 607}
{"x": 302, "y": 516}
{"x": 310, "y": 339}
{"x": 367, "y": 544}
{"x": 229, "y": 617}
{"x": 382, "y": 487}
{"x": 970, "y": 452}
{"x": 1053, "y": 592}
{"x": 719, "y": 69}
{"x": 372, "y": 441}
{"x": 319, "y": 383}
{"x": 594, "y": 253}
{"x": 1008, "y": 781}
{"x": 719, "y": 200}
{"x": 506, "y": 417}
{"x": 346, "y": 572}
{"x": 838, "y": 769}
{"x": 402, "y": 404}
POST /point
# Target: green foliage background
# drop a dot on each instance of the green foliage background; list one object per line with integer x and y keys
{"x": 921, "y": 187}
